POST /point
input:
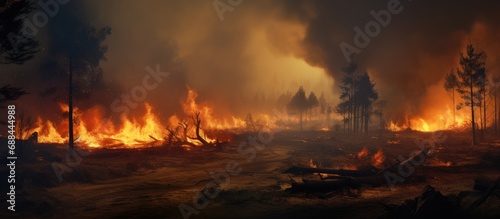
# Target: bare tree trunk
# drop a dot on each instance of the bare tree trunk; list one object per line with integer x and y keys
{"x": 367, "y": 118}
{"x": 197, "y": 122}
{"x": 454, "y": 108}
{"x": 496, "y": 115}
{"x": 300, "y": 115}
{"x": 70, "y": 113}
{"x": 471, "y": 90}
{"x": 485, "y": 124}
{"x": 480, "y": 116}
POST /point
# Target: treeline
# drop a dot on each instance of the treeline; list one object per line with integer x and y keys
{"x": 357, "y": 100}
{"x": 470, "y": 81}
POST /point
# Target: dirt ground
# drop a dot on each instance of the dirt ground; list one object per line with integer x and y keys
{"x": 244, "y": 179}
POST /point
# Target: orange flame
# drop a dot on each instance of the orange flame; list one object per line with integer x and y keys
{"x": 311, "y": 164}
{"x": 92, "y": 129}
{"x": 433, "y": 122}
{"x": 209, "y": 121}
{"x": 378, "y": 158}
{"x": 363, "y": 153}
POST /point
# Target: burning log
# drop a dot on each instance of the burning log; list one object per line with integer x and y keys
{"x": 346, "y": 178}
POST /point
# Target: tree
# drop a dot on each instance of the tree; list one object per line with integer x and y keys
{"x": 357, "y": 97}
{"x": 300, "y": 103}
{"x": 367, "y": 95}
{"x": 312, "y": 102}
{"x": 378, "y": 111}
{"x": 451, "y": 84}
{"x": 348, "y": 90}
{"x": 81, "y": 47}
{"x": 9, "y": 93}
{"x": 495, "y": 82}
{"x": 343, "y": 110}
{"x": 323, "y": 106}
{"x": 16, "y": 47}
{"x": 483, "y": 88}
{"x": 472, "y": 69}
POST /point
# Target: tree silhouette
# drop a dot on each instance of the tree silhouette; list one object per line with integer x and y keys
{"x": 80, "y": 47}
{"x": 451, "y": 84}
{"x": 471, "y": 71}
{"x": 312, "y": 102}
{"x": 493, "y": 93}
{"x": 348, "y": 90}
{"x": 300, "y": 103}
{"x": 15, "y": 46}
{"x": 357, "y": 96}
{"x": 366, "y": 95}
{"x": 10, "y": 93}
{"x": 343, "y": 110}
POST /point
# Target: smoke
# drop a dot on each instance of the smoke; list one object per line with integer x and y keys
{"x": 266, "y": 48}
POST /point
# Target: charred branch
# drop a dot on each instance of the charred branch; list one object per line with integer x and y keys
{"x": 197, "y": 123}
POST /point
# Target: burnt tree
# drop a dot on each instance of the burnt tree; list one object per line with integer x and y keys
{"x": 197, "y": 123}
{"x": 472, "y": 69}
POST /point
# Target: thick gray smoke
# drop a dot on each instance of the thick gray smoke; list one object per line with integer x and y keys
{"x": 265, "y": 48}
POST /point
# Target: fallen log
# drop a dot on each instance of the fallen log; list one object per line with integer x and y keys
{"x": 408, "y": 162}
{"x": 342, "y": 172}
{"x": 319, "y": 186}
{"x": 487, "y": 193}
{"x": 316, "y": 186}
{"x": 482, "y": 183}
{"x": 346, "y": 178}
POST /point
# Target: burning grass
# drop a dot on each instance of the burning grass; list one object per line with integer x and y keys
{"x": 94, "y": 129}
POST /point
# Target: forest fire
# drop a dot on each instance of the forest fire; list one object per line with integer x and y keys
{"x": 435, "y": 122}
{"x": 250, "y": 109}
{"x": 378, "y": 159}
{"x": 93, "y": 129}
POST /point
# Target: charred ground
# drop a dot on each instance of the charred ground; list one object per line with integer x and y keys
{"x": 154, "y": 181}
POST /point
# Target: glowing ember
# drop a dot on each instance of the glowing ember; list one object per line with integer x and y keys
{"x": 378, "y": 159}
{"x": 363, "y": 153}
{"x": 311, "y": 164}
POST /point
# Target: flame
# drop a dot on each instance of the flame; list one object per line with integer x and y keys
{"x": 378, "y": 158}
{"x": 433, "y": 122}
{"x": 92, "y": 128}
{"x": 311, "y": 164}
{"x": 324, "y": 129}
{"x": 209, "y": 121}
{"x": 363, "y": 153}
